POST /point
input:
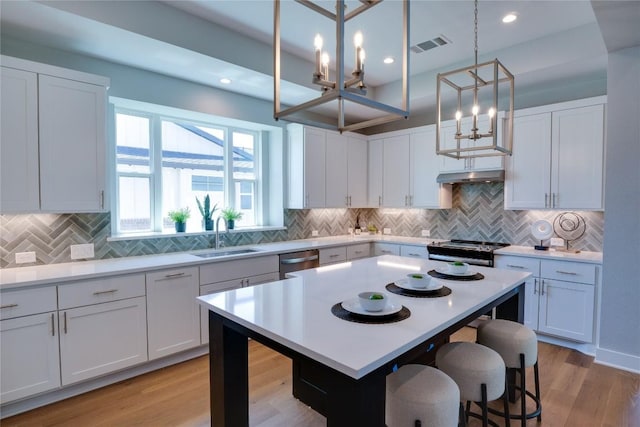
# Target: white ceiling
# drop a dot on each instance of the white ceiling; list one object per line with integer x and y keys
{"x": 203, "y": 41}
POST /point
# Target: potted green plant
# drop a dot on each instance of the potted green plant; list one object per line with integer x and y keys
{"x": 207, "y": 212}
{"x": 180, "y": 217}
{"x": 230, "y": 216}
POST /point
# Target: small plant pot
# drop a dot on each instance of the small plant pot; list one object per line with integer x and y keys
{"x": 231, "y": 223}
{"x": 181, "y": 227}
{"x": 208, "y": 224}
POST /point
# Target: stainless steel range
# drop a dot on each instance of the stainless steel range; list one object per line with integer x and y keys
{"x": 470, "y": 251}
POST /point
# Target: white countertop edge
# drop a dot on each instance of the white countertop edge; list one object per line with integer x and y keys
{"x": 530, "y": 252}
{"x": 356, "y": 374}
{"x": 49, "y": 274}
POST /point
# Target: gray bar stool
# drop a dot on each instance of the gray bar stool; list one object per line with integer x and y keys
{"x": 421, "y": 396}
{"x": 480, "y": 375}
{"x": 518, "y": 346}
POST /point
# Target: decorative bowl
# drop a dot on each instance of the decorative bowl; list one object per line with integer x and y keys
{"x": 458, "y": 267}
{"x": 419, "y": 280}
{"x": 372, "y": 301}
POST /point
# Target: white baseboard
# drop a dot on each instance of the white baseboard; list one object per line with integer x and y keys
{"x": 615, "y": 359}
{"x": 588, "y": 349}
{"x": 27, "y": 404}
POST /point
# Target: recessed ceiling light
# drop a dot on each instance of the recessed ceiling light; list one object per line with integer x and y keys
{"x": 509, "y": 17}
{"x": 389, "y": 60}
{"x": 225, "y": 81}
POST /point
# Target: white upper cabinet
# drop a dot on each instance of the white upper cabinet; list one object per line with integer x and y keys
{"x": 19, "y": 174}
{"x": 558, "y": 157}
{"x": 326, "y": 169}
{"x": 53, "y": 142}
{"x": 409, "y": 167}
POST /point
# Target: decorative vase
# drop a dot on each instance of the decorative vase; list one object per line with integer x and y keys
{"x": 230, "y": 224}
{"x": 181, "y": 227}
{"x": 208, "y": 224}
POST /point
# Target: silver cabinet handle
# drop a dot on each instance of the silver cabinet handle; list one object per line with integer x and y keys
{"x": 8, "y": 306}
{"x": 110, "y": 291}
{"x": 53, "y": 325}
{"x": 546, "y": 200}
{"x": 412, "y": 254}
{"x": 346, "y": 200}
{"x": 334, "y": 255}
{"x": 357, "y": 252}
{"x": 247, "y": 284}
{"x": 385, "y": 251}
{"x": 516, "y": 266}
{"x": 171, "y": 276}
{"x": 542, "y": 287}
{"x": 554, "y": 200}
{"x": 569, "y": 273}
{"x": 101, "y": 199}
{"x": 379, "y": 200}
{"x": 64, "y": 317}
{"x": 535, "y": 286}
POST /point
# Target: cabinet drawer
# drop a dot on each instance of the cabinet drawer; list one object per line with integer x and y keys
{"x": 101, "y": 290}
{"x": 414, "y": 251}
{"x": 362, "y": 250}
{"x": 23, "y": 302}
{"x": 333, "y": 255}
{"x": 568, "y": 271}
{"x": 517, "y": 263}
{"x": 386, "y": 249}
{"x": 230, "y": 270}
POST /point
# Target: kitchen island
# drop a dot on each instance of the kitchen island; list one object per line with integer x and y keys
{"x": 348, "y": 361}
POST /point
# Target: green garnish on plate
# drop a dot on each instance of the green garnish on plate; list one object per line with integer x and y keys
{"x": 458, "y": 263}
{"x": 417, "y": 276}
{"x": 376, "y": 296}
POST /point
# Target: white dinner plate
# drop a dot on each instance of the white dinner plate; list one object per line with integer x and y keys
{"x": 445, "y": 270}
{"x": 353, "y": 305}
{"x": 404, "y": 284}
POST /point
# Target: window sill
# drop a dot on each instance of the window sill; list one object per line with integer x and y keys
{"x": 169, "y": 234}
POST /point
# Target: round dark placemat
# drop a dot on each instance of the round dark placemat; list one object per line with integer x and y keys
{"x": 442, "y": 292}
{"x": 439, "y": 275}
{"x": 344, "y": 314}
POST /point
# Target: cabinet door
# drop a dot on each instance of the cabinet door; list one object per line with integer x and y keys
{"x": 448, "y": 141}
{"x": 172, "y": 311}
{"x": 314, "y": 168}
{"x": 566, "y": 309}
{"x": 577, "y": 158}
{"x": 395, "y": 186}
{"x": 30, "y": 356}
{"x": 19, "y": 173}
{"x": 336, "y": 171}
{"x": 425, "y": 191}
{"x": 376, "y": 172}
{"x": 386, "y": 249}
{"x": 72, "y": 145}
{"x": 102, "y": 338}
{"x": 528, "y": 170}
{"x": 357, "y": 172}
{"x": 362, "y": 250}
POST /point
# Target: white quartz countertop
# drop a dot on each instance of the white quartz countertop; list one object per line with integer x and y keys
{"x": 529, "y": 251}
{"x": 297, "y": 312}
{"x": 82, "y": 270}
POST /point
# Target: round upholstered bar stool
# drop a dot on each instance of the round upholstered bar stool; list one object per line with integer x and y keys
{"x": 421, "y": 396}
{"x": 518, "y": 346}
{"x": 479, "y": 373}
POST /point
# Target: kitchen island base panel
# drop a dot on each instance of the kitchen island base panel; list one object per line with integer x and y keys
{"x": 345, "y": 401}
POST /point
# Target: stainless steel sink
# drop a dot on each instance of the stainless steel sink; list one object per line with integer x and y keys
{"x": 217, "y": 254}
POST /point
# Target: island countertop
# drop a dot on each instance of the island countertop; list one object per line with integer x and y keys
{"x": 296, "y": 312}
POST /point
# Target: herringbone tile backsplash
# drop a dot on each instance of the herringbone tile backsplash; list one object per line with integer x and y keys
{"x": 477, "y": 214}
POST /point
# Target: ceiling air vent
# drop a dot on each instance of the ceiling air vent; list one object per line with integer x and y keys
{"x": 430, "y": 44}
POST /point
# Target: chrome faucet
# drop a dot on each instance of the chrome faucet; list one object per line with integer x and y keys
{"x": 218, "y": 232}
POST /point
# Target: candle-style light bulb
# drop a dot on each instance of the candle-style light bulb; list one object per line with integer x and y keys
{"x": 317, "y": 43}
{"x": 491, "y": 114}
{"x": 362, "y": 56}
{"x": 474, "y": 110}
{"x": 458, "y": 117}
{"x": 357, "y": 41}
{"x": 325, "y": 65}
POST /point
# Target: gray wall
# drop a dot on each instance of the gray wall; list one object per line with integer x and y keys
{"x": 620, "y": 311}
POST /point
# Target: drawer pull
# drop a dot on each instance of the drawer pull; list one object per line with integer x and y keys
{"x": 110, "y": 291}
{"x": 412, "y": 254}
{"x": 334, "y": 255}
{"x": 171, "y": 276}
{"x": 569, "y": 273}
{"x": 53, "y": 325}
{"x": 515, "y": 266}
{"x": 64, "y": 317}
{"x": 535, "y": 286}
{"x": 357, "y": 252}
{"x": 8, "y": 305}
{"x": 384, "y": 251}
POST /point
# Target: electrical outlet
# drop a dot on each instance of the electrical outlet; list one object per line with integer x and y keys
{"x": 556, "y": 241}
{"x": 349, "y": 230}
{"x": 386, "y": 231}
{"x": 314, "y": 233}
{"x": 82, "y": 251}
{"x": 426, "y": 233}
{"x": 25, "y": 257}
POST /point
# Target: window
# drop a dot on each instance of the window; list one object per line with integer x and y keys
{"x": 165, "y": 163}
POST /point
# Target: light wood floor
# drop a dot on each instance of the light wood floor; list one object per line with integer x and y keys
{"x": 575, "y": 392}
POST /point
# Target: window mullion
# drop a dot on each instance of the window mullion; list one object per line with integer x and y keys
{"x": 156, "y": 172}
{"x": 229, "y": 181}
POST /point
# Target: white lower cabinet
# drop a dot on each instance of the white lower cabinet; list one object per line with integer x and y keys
{"x": 386, "y": 249}
{"x": 173, "y": 314}
{"x": 102, "y": 338}
{"x": 30, "y": 356}
{"x": 559, "y": 297}
{"x": 362, "y": 250}
{"x": 414, "y": 251}
{"x": 333, "y": 255}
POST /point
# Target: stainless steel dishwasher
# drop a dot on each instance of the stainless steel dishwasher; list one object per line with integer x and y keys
{"x": 296, "y": 261}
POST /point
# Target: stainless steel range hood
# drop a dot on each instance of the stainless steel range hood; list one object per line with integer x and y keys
{"x": 475, "y": 176}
